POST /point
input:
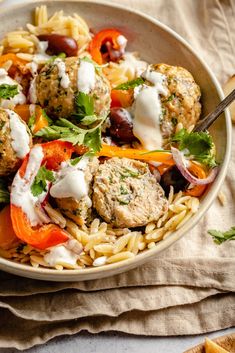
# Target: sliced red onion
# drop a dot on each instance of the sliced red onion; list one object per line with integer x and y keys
{"x": 181, "y": 165}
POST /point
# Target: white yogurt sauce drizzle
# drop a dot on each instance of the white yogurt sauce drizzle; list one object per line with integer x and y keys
{"x": 62, "y": 73}
{"x": 40, "y": 58}
{"x": 18, "y": 98}
{"x": 86, "y": 77}
{"x": 33, "y": 91}
{"x": 21, "y": 195}
{"x": 133, "y": 65}
{"x": 122, "y": 42}
{"x": 70, "y": 181}
{"x": 19, "y": 134}
{"x": 147, "y": 110}
{"x": 64, "y": 254}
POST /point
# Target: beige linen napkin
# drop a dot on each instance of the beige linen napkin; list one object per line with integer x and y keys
{"x": 189, "y": 288}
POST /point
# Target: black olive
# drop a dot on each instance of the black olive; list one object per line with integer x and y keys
{"x": 121, "y": 125}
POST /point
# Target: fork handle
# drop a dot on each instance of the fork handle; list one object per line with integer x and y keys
{"x": 205, "y": 123}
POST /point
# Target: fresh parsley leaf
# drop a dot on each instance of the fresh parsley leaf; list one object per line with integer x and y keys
{"x": 54, "y": 57}
{"x": 31, "y": 121}
{"x": 40, "y": 182}
{"x": 93, "y": 140}
{"x": 130, "y": 84}
{"x": 47, "y": 117}
{"x": 220, "y": 237}
{"x": 67, "y": 131}
{"x": 89, "y": 119}
{"x": 8, "y": 91}
{"x": 172, "y": 96}
{"x": 4, "y": 193}
{"x": 84, "y": 105}
{"x": 76, "y": 160}
{"x": 199, "y": 144}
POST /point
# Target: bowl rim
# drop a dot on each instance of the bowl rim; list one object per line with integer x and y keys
{"x": 118, "y": 267}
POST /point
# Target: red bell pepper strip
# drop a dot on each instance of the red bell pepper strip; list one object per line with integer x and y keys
{"x": 106, "y": 35}
{"x": 47, "y": 235}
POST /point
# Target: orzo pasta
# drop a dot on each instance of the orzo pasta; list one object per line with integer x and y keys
{"x": 90, "y": 134}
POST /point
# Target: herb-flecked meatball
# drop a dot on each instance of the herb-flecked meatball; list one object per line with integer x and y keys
{"x": 126, "y": 194}
{"x": 59, "y": 82}
{"x": 12, "y": 142}
{"x": 79, "y": 210}
{"x": 181, "y": 105}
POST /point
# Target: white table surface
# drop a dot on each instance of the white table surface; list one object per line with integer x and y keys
{"x": 115, "y": 342}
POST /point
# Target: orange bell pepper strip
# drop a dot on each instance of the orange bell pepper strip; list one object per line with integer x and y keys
{"x": 42, "y": 237}
{"x": 8, "y": 239}
{"x": 200, "y": 173}
{"x": 115, "y": 151}
{"x": 40, "y": 119}
{"x": 120, "y": 98}
{"x": 105, "y": 35}
{"x": 23, "y": 111}
{"x": 17, "y": 64}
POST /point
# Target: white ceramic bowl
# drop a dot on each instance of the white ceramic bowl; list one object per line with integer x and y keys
{"x": 156, "y": 43}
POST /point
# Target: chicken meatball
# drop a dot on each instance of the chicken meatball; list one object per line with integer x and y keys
{"x": 126, "y": 194}
{"x": 60, "y": 81}
{"x": 79, "y": 210}
{"x": 15, "y": 141}
{"x": 181, "y": 105}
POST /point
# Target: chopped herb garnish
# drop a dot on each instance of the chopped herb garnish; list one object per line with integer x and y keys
{"x": 76, "y": 160}
{"x": 129, "y": 173}
{"x": 199, "y": 144}
{"x": 123, "y": 201}
{"x": 31, "y": 121}
{"x": 130, "y": 84}
{"x": 93, "y": 140}
{"x": 220, "y": 237}
{"x": 172, "y": 96}
{"x": 66, "y": 131}
{"x": 123, "y": 190}
{"x": 84, "y": 105}
{"x": 174, "y": 121}
{"x": 54, "y": 57}
{"x": 84, "y": 109}
{"x": 8, "y": 91}
{"x": 40, "y": 182}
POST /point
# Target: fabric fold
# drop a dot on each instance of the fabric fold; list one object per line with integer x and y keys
{"x": 109, "y": 303}
{"x": 207, "y": 317}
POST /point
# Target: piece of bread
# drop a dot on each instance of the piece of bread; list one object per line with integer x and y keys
{"x": 228, "y": 87}
{"x": 212, "y": 347}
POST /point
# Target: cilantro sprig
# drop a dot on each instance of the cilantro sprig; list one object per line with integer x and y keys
{"x": 220, "y": 237}
{"x": 199, "y": 145}
{"x": 40, "y": 182}
{"x": 130, "y": 84}
{"x": 84, "y": 109}
{"x": 8, "y": 91}
{"x": 67, "y": 131}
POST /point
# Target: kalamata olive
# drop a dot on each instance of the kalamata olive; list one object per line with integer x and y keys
{"x": 58, "y": 43}
{"x": 114, "y": 55}
{"x": 172, "y": 176}
{"x": 121, "y": 125}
